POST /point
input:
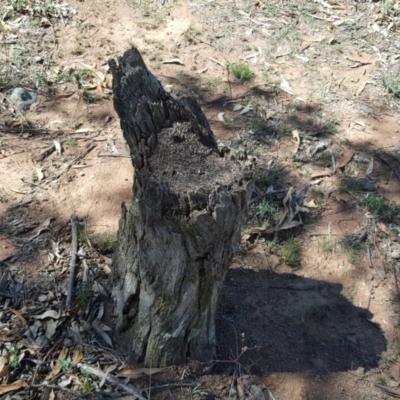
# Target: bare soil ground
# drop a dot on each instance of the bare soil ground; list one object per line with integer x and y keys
{"x": 310, "y": 305}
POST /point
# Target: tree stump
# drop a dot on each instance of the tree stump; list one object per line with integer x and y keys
{"x": 183, "y": 227}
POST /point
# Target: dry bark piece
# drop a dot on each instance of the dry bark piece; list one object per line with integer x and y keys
{"x": 183, "y": 227}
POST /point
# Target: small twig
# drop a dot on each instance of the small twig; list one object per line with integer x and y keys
{"x": 71, "y": 163}
{"x": 33, "y": 184}
{"x": 173, "y": 385}
{"x": 112, "y": 380}
{"x": 55, "y": 387}
{"x": 369, "y": 257}
{"x": 396, "y": 283}
{"x": 114, "y": 155}
{"x": 389, "y": 391}
{"x": 45, "y": 358}
{"x": 74, "y": 251}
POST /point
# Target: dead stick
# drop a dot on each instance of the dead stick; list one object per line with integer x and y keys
{"x": 114, "y": 155}
{"x": 56, "y": 387}
{"x": 74, "y": 250}
{"x": 112, "y": 380}
{"x": 389, "y": 391}
{"x": 71, "y": 163}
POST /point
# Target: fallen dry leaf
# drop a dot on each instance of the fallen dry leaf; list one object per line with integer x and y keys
{"x": 348, "y": 155}
{"x": 221, "y": 117}
{"x": 173, "y": 61}
{"x": 361, "y": 88}
{"x": 12, "y": 387}
{"x": 4, "y": 366}
{"x": 137, "y": 373}
{"x": 285, "y": 86}
{"x": 383, "y": 228}
{"x": 296, "y": 136}
{"x": 77, "y": 356}
{"x": 19, "y": 315}
{"x": 318, "y": 174}
{"x": 57, "y": 366}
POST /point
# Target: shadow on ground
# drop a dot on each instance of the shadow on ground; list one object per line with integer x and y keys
{"x": 293, "y": 324}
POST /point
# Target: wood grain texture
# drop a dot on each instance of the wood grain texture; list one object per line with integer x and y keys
{"x": 183, "y": 227}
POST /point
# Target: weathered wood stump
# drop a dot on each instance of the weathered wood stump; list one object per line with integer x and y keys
{"x": 183, "y": 227}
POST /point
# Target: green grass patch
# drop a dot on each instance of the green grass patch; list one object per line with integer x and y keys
{"x": 267, "y": 209}
{"x": 354, "y": 246}
{"x": 392, "y": 84}
{"x": 84, "y": 295}
{"x": 242, "y": 72}
{"x": 271, "y": 176}
{"x": 105, "y": 243}
{"x": 290, "y": 252}
{"x": 380, "y": 208}
{"x": 327, "y": 245}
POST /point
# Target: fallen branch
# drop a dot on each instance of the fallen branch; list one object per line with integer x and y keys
{"x": 56, "y": 387}
{"x": 114, "y": 155}
{"x": 389, "y": 391}
{"x": 74, "y": 251}
{"x": 111, "y": 379}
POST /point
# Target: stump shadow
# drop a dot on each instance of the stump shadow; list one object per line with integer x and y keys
{"x": 269, "y": 322}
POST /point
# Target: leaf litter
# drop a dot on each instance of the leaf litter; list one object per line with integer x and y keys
{"x": 45, "y": 315}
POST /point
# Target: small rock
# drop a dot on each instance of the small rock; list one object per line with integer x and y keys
{"x": 22, "y": 99}
{"x": 395, "y": 254}
{"x": 42, "y": 341}
{"x": 257, "y": 393}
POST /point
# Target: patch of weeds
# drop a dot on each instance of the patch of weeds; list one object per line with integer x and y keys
{"x": 77, "y": 124}
{"x": 353, "y": 184}
{"x": 87, "y": 386}
{"x": 324, "y": 156}
{"x": 145, "y": 6}
{"x": 210, "y": 84}
{"x": 290, "y": 252}
{"x": 65, "y": 364}
{"x": 89, "y": 97}
{"x": 382, "y": 380}
{"x": 105, "y": 243}
{"x": 346, "y": 142}
{"x": 271, "y": 176}
{"x": 392, "y": 84}
{"x": 267, "y": 209}
{"x": 330, "y": 126}
{"x": 379, "y": 207}
{"x": 14, "y": 360}
{"x": 327, "y": 245}
{"x": 82, "y": 75}
{"x": 354, "y": 247}
{"x": 242, "y": 72}
{"x": 84, "y": 295}
{"x": 256, "y": 125}
{"x": 271, "y": 245}
{"x": 258, "y": 151}
{"x": 82, "y": 235}
{"x": 71, "y": 142}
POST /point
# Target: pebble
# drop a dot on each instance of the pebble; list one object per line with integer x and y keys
{"x": 395, "y": 254}
{"x": 22, "y": 99}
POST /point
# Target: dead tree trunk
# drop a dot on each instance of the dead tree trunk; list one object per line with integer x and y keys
{"x": 182, "y": 229}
